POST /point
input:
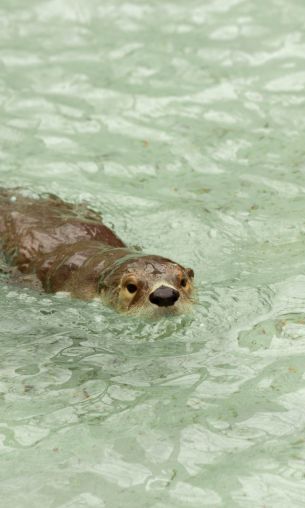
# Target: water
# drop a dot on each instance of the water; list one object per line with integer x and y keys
{"x": 183, "y": 123}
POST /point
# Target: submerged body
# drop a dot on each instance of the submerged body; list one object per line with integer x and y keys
{"x": 68, "y": 248}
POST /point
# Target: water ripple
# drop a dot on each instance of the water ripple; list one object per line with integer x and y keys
{"x": 183, "y": 125}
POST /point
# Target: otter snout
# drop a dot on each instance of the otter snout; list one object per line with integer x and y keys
{"x": 164, "y": 296}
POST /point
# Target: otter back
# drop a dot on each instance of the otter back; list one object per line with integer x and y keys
{"x": 31, "y": 228}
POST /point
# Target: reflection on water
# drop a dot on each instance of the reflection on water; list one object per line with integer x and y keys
{"x": 183, "y": 124}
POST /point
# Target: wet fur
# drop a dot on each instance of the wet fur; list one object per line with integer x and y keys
{"x": 66, "y": 247}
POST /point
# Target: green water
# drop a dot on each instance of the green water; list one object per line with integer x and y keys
{"x": 183, "y": 123}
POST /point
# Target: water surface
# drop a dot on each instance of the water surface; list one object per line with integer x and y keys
{"x": 183, "y": 123}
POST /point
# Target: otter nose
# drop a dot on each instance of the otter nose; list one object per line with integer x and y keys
{"x": 164, "y": 296}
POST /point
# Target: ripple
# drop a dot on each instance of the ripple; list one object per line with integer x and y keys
{"x": 183, "y": 125}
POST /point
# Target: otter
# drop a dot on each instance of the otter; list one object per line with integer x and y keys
{"x": 67, "y": 248}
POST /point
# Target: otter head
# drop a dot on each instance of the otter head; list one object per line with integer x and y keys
{"x": 149, "y": 285}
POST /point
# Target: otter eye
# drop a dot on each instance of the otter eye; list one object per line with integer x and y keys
{"x": 131, "y": 288}
{"x": 183, "y": 282}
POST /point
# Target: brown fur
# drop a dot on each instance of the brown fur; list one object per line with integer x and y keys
{"x": 68, "y": 248}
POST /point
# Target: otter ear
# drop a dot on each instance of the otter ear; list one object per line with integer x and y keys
{"x": 101, "y": 284}
{"x": 190, "y": 272}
